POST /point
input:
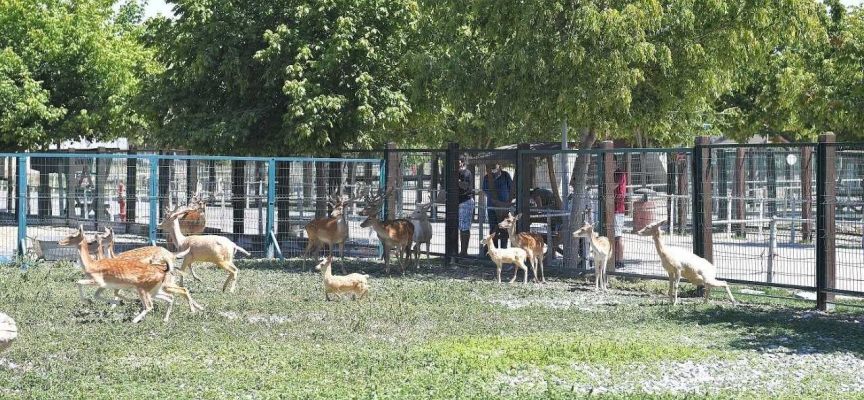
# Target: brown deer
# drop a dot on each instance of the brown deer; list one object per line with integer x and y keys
{"x": 397, "y": 233}
{"x": 330, "y": 231}
{"x": 531, "y": 242}
{"x": 146, "y": 254}
{"x": 204, "y": 248}
{"x": 194, "y": 221}
{"x": 148, "y": 280}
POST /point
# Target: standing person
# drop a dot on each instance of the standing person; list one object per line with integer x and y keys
{"x": 466, "y": 206}
{"x": 121, "y": 200}
{"x": 620, "y": 195}
{"x": 502, "y": 182}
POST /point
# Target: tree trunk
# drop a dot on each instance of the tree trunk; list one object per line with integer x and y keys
{"x": 577, "y": 218}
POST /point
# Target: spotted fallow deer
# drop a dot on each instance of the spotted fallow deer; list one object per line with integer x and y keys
{"x": 147, "y": 279}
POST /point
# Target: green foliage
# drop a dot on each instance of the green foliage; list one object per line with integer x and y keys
{"x": 68, "y": 70}
{"x": 515, "y": 70}
{"x": 280, "y": 77}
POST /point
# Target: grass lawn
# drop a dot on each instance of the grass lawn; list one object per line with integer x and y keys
{"x": 433, "y": 333}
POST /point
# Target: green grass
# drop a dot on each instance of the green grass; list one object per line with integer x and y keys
{"x": 432, "y": 334}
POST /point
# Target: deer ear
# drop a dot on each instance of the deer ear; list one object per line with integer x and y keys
{"x": 518, "y": 216}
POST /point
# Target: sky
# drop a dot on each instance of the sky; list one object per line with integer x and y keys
{"x": 155, "y": 7}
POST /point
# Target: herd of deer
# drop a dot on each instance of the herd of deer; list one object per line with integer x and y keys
{"x": 149, "y": 270}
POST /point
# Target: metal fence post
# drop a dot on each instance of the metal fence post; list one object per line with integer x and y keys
{"x": 806, "y": 193}
{"x": 451, "y": 210}
{"x": 523, "y": 189}
{"x": 131, "y": 188}
{"x": 21, "y": 179}
{"x": 702, "y": 229}
{"x": 154, "y": 196}
{"x": 238, "y": 196}
{"x": 739, "y": 191}
{"x": 271, "y": 210}
{"x": 772, "y": 249}
{"x": 826, "y": 199}
{"x": 723, "y": 205}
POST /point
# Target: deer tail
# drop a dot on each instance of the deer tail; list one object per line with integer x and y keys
{"x": 242, "y": 250}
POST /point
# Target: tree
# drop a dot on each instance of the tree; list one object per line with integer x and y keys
{"x": 603, "y": 66}
{"x": 280, "y": 77}
{"x": 69, "y": 70}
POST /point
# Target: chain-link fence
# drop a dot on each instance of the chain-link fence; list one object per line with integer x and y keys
{"x": 772, "y": 214}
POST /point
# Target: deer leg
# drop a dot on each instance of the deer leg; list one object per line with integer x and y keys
{"x": 598, "y": 271}
{"x": 672, "y": 294}
{"x": 524, "y": 271}
{"x": 232, "y": 275}
{"x": 498, "y": 271}
{"x": 675, "y": 291}
{"x": 145, "y": 300}
{"x": 81, "y": 284}
{"x": 516, "y": 272}
{"x": 428, "y": 245}
{"x": 163, "y": 296}
{"x": 533, "y": 264}
{"x": 98, "y": 296}
{"x": 540, "y": 260}
{"x": 173, "y": 289}
{"x": 708, "y": 288}
{"x": 387, "y": 259}
{"x": 308, "y": 252}
{"x": 729, "y": 292}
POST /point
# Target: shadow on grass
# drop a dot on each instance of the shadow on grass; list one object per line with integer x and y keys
{"x": 766, "y": 328}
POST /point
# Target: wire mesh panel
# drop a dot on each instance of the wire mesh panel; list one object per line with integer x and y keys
{"x": 658, "y": 188}
{"x": 308, "y": 190}
{"x": 849, "y": 216}
{"x": 763, "y": 198}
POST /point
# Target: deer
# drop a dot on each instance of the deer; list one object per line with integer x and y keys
{"x": 531, "y": 242}
{"x": 397, "y": 233}
{"x": 204, "y": 248}
{"x": 680, "y": 263}
{"x": 149, "y": 280}
{"x": 331, "y": 231}
{"x": 601, "y": 249}
{"x": 515, "y": 255}
{"x": 147, "y": 254}
{"x": 105, "y": 243}
{"x": 422, "y": 230}
{"x": 194, "y": 221}
{"x": 356, "y": 284}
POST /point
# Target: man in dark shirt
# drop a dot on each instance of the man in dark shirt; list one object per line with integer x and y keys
{"x": 500, "y": 198}
{"x": 466, "y": 206}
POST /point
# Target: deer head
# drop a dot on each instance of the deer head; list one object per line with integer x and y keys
{"x": 587, "y": 230}
{"x": 653, "y": 229}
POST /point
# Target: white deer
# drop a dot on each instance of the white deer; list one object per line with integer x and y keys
{"x": 680, "y": 263}
{"x": 601, "y": 249}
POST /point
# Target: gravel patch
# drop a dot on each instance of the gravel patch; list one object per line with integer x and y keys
{"x": 772, "y": 371}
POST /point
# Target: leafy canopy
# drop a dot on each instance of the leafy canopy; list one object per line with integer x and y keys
{"x": 69, "y": 70}
{"x": 280, "y": 77}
